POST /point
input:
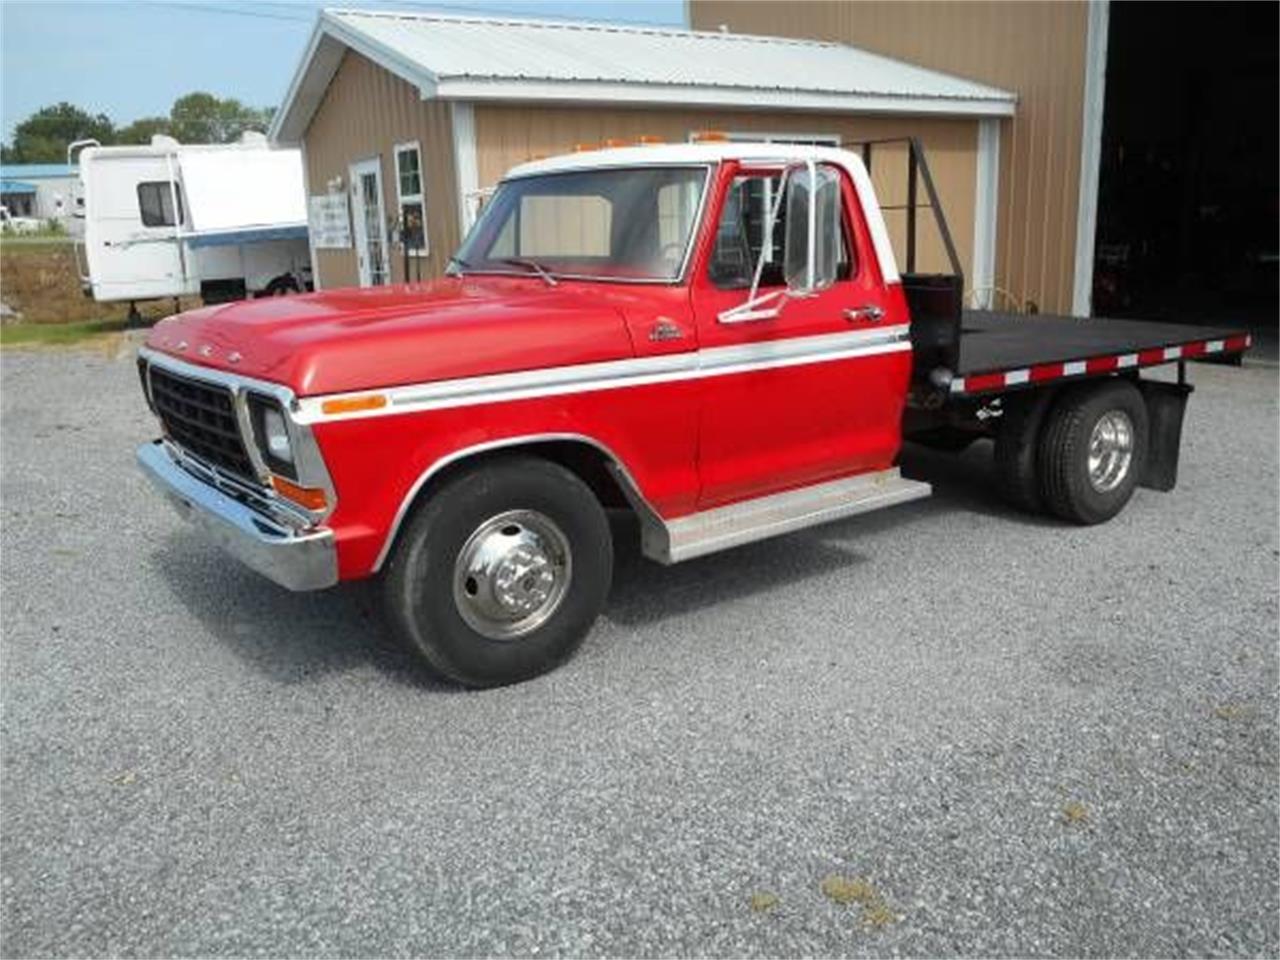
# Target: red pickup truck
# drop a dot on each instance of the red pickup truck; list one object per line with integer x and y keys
{"x": 713, "y": 336}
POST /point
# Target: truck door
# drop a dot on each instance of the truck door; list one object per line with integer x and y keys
{"x": 812, "y": 393}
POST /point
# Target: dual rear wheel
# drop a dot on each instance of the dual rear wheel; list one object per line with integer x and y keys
{"x": 1078, "y": 455}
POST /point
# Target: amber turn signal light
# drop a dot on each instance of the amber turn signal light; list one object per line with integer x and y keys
{"x": 367, "y": 401}
{"x": 308, "y": 497}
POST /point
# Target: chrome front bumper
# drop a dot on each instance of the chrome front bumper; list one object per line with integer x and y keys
{"x": 297, "y": 560}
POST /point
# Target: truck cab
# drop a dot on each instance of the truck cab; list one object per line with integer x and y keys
{"x": 714, "y": 337}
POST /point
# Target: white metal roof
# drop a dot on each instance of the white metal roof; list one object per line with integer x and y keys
{"x": 488, "y": 58}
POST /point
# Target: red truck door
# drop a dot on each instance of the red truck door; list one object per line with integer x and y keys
{"x": 811, "y": 394}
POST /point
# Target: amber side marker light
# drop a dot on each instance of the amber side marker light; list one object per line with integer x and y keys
{"x": 585, "y": 147}
{"x": 368, "y": 401}
{"x": 308, "y": 497}
{"x": 646, "y": 140}
{"x": 710, "y": 136}
{"x": 616, "y": 142}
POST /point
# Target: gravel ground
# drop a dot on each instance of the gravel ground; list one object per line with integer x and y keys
{"x": 1010, "y": 736}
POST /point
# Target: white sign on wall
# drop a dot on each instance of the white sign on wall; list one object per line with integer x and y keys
{"x": 330, "y": 222}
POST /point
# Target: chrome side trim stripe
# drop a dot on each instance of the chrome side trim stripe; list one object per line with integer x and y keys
{"x": 617, "y": 374}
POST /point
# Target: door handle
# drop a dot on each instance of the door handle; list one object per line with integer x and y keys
{"x": 868, "y": 312}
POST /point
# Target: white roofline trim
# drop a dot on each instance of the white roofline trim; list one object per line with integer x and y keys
{"x": 296, "y": 81}
{"x": 556, "y": 91}
{"x": 329, "y": 27}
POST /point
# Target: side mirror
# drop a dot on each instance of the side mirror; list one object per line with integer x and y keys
{"x": 811, "y": 250}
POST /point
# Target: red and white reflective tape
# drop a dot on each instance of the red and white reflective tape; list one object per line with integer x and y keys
{"x": 1001, "y": 379}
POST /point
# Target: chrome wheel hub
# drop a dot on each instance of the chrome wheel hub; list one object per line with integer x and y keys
{"x": 1110, "y": 450}
{"x": 512, "y": 574}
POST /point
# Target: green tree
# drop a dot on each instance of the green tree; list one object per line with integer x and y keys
{"x": 143, "y": 129}
{"x": 203, "y": 118}
{"x": 43, "y": 136}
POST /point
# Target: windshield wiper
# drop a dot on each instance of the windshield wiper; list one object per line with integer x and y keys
{"x": 534, "y": 265}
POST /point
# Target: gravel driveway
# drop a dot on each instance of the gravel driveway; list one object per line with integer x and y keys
{"x": 944, "y": 728}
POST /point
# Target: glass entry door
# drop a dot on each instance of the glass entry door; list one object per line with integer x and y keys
{"x": 370, "y": 222}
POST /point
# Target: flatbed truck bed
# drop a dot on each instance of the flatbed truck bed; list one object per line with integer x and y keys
{"x": 1001, "y": 351}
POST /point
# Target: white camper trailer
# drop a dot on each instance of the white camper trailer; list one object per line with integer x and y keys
{"x": 222, "y": 221}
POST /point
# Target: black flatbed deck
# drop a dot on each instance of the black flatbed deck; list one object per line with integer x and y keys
{"x": 990, "y": 340}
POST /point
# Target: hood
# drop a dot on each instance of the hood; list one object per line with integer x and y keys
{"x": 356, "y": 339}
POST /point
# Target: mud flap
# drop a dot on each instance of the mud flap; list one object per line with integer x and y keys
{"x": 1166, "y": 404}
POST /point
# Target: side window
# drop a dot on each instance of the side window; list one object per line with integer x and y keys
{"x": 409, "y": 190}
{"x": 155, "y": 203}
{"x": 741, "y": 230}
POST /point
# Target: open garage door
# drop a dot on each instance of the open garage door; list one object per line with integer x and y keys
{"x": 1187, "y": 204}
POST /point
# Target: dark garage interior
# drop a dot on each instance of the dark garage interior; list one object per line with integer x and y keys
{"x": 1187, "y": 203}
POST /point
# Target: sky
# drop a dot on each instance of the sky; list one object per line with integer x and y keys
{"x": 133, "y": 59}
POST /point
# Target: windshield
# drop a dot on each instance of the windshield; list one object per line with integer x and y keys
{"x": 620, "y": 224}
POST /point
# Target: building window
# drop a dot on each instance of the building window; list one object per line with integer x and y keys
{"x": 155, "y": 203}
{"x": 413, "y": 209}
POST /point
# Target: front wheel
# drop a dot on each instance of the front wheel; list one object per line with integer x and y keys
{"x": 501, "y": 572}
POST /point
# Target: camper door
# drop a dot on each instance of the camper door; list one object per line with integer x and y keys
{"x": 134, "y": 218}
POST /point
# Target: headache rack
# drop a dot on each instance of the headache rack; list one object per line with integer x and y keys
{"x": 936, "y": 300}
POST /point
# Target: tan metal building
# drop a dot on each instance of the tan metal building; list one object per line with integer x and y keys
{"x": 406, "y": 118}
{"x": 1051, "y": 54}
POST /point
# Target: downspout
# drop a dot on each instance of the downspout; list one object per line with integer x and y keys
{"x": 1095, "y": 87}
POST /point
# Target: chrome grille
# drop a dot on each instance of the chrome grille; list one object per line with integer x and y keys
{"x": 200, "y": 417}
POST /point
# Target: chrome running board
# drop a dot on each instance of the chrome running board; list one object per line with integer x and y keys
{"x": 776, "y": 514}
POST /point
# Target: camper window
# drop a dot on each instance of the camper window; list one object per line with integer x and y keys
{"x": 413, "y": 211}
{"x": 155, "y": 202}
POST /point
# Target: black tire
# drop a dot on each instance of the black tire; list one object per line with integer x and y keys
{"x": 1063, "y": 451}
{"x": 1017, "y": 477}
{"x": 419, "y": 582}
{"x": 279, "y": 287}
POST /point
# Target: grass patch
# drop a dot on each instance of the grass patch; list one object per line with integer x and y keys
{"x": 56, "y": 334}
{"x": 1075, "y": 812}
{"x": 22, "y": 242}
{"x": 857, "y": 890}
{"x": 40, "y": 281}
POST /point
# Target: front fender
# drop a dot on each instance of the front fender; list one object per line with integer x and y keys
{"x": 380, "y": 463}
